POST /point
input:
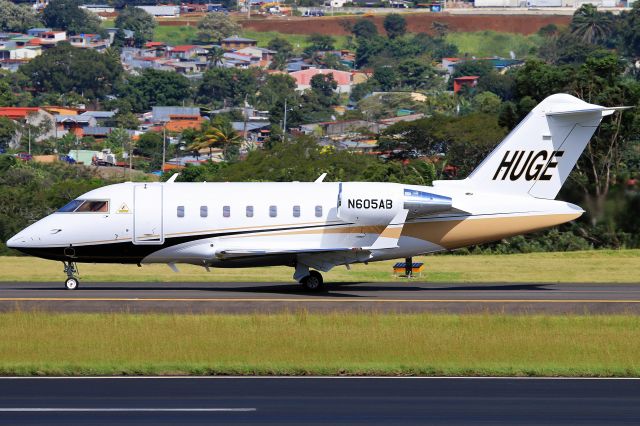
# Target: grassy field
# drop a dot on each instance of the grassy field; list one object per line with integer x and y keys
{"x": 187, "y": 34}
{"x": 587, "y": 266}
{"x": 479, "y": 44}
{"x": 491, "y": 43}
{"x": 308, "y": 344}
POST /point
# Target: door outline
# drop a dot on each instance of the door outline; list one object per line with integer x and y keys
{"x": 138, "y": 209}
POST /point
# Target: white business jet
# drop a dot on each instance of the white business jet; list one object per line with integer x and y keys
{"x": 316, "y": 226}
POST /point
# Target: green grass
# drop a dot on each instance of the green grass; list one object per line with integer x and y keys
{"x": 491, "y": 43}
{"x": 175, "y": 35}
{"x": 586, "y": 266}
{"x": 188, "y": 34}
{"x": 319, "y": 344}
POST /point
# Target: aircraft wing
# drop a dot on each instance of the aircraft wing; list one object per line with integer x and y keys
{"x": 323, "y": 258}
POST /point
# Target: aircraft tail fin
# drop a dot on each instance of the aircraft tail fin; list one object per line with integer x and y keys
{"x": 538, "y": 155}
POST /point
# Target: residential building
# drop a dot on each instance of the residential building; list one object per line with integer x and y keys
{"x": 37, "y": 32}
{"x": 343, "y": 78}
{"x": 162, "y": 11}
{"x": 465, "y": 81}
{"x": 98, "y": 8}
{"x": 162, "y": 114}
{"x": 236, "y": 43}
{"x": 33, "y": 116}
{"x": 186, "y": 52}
{"x": 180, "y": 122}
{"x": 74, "y": 124}
{"x": 89, "y": 41}
{"x": 51, "y": 38}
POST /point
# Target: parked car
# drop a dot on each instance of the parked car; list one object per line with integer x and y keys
{"x": 24, "y": 156}
{"x": 67, "y": 159}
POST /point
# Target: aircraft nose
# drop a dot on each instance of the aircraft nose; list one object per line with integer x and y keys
{"x": 17, "y": 241}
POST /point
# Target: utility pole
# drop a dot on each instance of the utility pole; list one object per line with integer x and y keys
{"x": 29, "y": 130}
{"x": 248, "y": 4}
{"x": 284, "y": 126}
{"x": 164, "y": 146}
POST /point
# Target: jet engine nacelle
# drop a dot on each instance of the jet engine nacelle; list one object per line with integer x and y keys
{"x": 375, "y": 204}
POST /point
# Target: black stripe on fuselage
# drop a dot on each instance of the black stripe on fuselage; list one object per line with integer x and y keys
{"x": 127, "y": 252}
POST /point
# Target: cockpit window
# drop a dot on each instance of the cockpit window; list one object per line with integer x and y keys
{"x": 70, "y": 206}
{"x": 86, "y": 206}
{"x": 90, "y": 206}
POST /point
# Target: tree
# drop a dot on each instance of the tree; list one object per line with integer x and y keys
{"x": 415, "y": 73}
{"x": 276, "y": 88}
{"x": 216, "y": 26}
{"x": 137, "y": 20}
{"x": 219, "y": 134}
{"x": 395, "y": 25}
{"x": 64, "y": 69}
{"x": 386, "y": 77}
{"x": 154, "y": 87}
{"x": 68, "y": 16}
{"x": 284, "y": 51}
{"x": 486, "y": 102}
{"x": 323, "y": 86}
{"x": 590, "y": 25}
{"x": 150, "y": 145}
{"x": 319, "y": 43}
{"x": 8, "y": 129}
{"x": 281, "y": 46}
{"x": 365, "y": 29}
{"x": 17, "y": 18}
{"x": 215, "y": 55}
{"x": 227, "y": 86}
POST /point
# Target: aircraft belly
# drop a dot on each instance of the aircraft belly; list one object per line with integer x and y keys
{"x": 456, "y": 233}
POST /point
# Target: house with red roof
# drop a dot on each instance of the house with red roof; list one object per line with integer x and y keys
{"x": 33, "y": 116}
{"x": 343, "y": 78}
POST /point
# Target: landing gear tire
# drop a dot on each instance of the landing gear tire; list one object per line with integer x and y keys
{"x": 71, "y": 283}
{"x": 313, "y": 281}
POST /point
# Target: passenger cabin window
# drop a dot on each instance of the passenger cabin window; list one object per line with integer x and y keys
{"x": 249, "y": 211}
{"x": 318, "y": 211}
{"x": 296, "y": 211}
{"x": 180, "y": 211}
{"x": 273, "y": 211}
{"x": 226, "y": 211}
{"x": 86, "y": 206}
{"x": 204, "y": 211}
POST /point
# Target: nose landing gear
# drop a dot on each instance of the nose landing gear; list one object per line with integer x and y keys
{"x": 70, "y": 268}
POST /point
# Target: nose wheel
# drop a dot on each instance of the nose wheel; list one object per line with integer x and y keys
{"x": 70, "y": 268}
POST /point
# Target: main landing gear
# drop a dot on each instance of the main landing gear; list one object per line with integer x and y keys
{"x": 72, "y": 282}
{"x": 310, "y": 280}
{"x": 313, "y": 281}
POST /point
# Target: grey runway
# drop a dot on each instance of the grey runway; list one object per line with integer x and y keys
{"x": 400, "y": 296}
{"x": 308, "y": 401}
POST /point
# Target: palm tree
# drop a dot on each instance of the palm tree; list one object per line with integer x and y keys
{"x": 214, "y": 56}
{"x": 590, "y": 25}
{"x": 215, "y": 136}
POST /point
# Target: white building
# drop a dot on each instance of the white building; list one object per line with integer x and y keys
{"x": 162, "y": 11}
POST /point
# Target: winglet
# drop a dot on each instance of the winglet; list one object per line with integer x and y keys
{"x": 320, "y": 178}
{"x": 391, "y": 234}
{"x": 172, "y": 178}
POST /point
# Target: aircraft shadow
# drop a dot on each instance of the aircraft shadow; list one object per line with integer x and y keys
{"x": 334, "y": 289}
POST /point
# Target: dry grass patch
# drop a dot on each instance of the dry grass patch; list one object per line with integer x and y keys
{"x": 587, "y": 266}
{"x": 303, "y": 343}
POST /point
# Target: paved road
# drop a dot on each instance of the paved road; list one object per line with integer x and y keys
{"x": 403, "y": 296}
{"x": 308, "y": 401}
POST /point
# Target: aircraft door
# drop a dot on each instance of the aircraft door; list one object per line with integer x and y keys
{"x": 147, "y": 214}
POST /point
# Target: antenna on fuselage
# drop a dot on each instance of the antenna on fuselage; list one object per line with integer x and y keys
{"x": 320, "y": 178}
